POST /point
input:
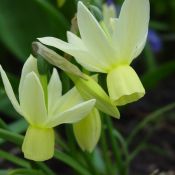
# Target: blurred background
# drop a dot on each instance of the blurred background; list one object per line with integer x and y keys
{"x": 153, "y": 147}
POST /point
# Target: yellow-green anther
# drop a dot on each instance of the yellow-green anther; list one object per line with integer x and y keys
{"x": 124, "y": 85}
{"x": 89, "y": 88}
{"x": 104, "y": 49}
{"x": 38, "y": 143}
{"x": 87, "y": 131}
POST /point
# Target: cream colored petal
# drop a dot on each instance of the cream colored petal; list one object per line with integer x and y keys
{"x": 140, "y": 47}
{"x": 32, "y": 100}
{"x": 29, "y": 66}
{"x": 54, "y": 90}
{"x": 109, "y": 11}
{"x": 82, "y": 56}
{"x": 74, "y": 39}
{"x": 9, "y": 91}
{"x": 132, "y": 28}
{"x": 94, "y": 37}
{"x": 73, "y": 114}
{"x": 87, "y": 131}
{"x": 68, "y": 100}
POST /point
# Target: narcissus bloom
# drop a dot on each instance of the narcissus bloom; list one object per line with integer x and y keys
{"x": 110, "y": 52}
{"x": 44, "y": 110}
{"x": 87, "y": 86}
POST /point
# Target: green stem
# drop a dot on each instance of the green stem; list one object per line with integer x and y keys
{"x": 124, "y": 146}
{"x": 90, "y": 164}
{"x": 45, "y": 168}
{"x": 71, "y": 140}
{"x": 60, "y": 143}
{"x": 43, "y": 79}
{"x": 115, "y": 146}
{"x": 104, "y": 144}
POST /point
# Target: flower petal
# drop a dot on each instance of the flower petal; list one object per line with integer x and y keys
{"x": 68, "y": 100}
{"x": 73, "y": 114}
{"x": 29, "y": 66}
{"x": 94, "y": 37}
{"x": 54, "y": 90}
{"x": 74, "y": 39}
{"x": 38, "y": 143}
{"x": 109, "y": 12}
{"x": 132, "y": 28}
{"x": 32, "y": 100}
{"x": 82, "y": 56}
{"x": 9, "y": 91}
{"x": 91, "y": 127}
{"x": 124, "y": 85}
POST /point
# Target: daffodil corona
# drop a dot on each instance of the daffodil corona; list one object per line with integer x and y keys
{"x": 43, "y": 114}
{"x": 110, "y": 51}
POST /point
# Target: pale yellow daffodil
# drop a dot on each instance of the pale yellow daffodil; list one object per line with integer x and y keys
{"x": 111, "y": 53}
{"x": 86, "y": 85}
{"x": 43, "y": 115}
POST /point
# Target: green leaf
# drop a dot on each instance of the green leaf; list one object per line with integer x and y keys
{"x": 71, "y": 162}
{"x": 14, "y": 159}
{"x": 10, "y": 136}
{"x": 25, "y": 172}
{"x": 18, "y": 126}
{"x": 21, "y": 22}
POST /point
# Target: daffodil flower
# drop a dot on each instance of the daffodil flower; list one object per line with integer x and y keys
{"x": 43, "y": 115}
{"x": 87, "y": 86}
{"x": 111, "y": 53}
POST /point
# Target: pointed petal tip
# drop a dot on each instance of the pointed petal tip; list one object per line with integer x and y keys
{"x": 93, "y": 101}
{"x": 81, "y": 6}
{"x": 80, "y": 3}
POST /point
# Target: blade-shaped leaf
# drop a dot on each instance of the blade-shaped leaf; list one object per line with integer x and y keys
{"x": 21, "y": 22}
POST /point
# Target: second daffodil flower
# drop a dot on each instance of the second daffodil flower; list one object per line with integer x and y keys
{"x": 110, "y": 52}
{"x": 43, "y": 114}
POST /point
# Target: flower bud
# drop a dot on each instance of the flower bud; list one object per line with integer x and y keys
{"x": 90, "y": 89}
{"x": 124, "y": 85}
{"x": 87, "y": 131}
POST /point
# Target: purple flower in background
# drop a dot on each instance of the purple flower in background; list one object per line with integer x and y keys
{"x": 154, "y": 40}
{"x": 109, "y": 2}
